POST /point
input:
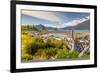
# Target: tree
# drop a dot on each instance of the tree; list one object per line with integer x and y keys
{"x": 34, "y": 28}
{"x": 73, "y": 40}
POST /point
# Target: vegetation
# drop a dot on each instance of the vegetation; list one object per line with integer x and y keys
{"x": 36, "y": 48}
{"x": 28, "y": 27}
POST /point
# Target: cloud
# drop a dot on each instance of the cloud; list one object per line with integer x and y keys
{"x": 50, "y": 16}
{"x": 71, "y": 23}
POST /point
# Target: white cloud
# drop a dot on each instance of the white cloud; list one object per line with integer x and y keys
{"x": 50, "y": 16}
{"x": 71, "y": 23}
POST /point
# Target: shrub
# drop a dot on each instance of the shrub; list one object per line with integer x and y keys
{"x": 73, "y": 54}
{"x": 55, "y": 43}
{"x": 51, "y": 51}
{"x": 26, "y": 57}
{"x": 62, "y": 53}
{"x": 35, "y": 48}
{"x": 36, "y": 44}
{"x": 26, "y": 41}
{"x": 41, "y": 54}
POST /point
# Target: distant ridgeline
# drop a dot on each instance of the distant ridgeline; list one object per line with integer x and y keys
{"x": 82, "y": 26}
{"x": 33, "y": 27}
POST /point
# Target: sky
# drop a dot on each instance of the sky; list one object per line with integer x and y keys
{"x": 53, "y": 19}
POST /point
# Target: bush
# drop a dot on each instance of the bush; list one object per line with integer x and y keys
{"x": 26, "y": 57}
{"x": 41, "y": 54}
{"x": 73, "y": 54}
{"x": 36, "y": 44}
{"x": 55, "y": 43}
{"x": 51, "y": 51}
{"x": 62, "y": 53}
{"x": 35, "y": 48}
{"x": 26, "y": 41}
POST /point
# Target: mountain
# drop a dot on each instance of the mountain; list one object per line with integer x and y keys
{"x": 69, "y": 28}
{"x": 51, "y": 28}
{"x": 84, "y": 25}
{"x": 41, "y": 27}
{"x": 81, "y": 26}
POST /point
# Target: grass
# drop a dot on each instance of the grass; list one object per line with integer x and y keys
{"x": 35, "y": 48}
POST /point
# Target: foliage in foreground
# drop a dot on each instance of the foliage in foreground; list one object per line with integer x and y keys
{"x": 35, "y": 48}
